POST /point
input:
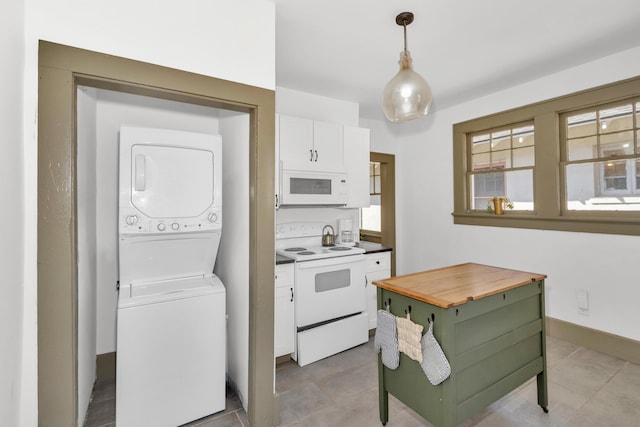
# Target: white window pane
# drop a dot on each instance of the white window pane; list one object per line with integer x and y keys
{"x": 519, "y": 189}
{"x": 371, "y": 215}
{"x": 501, "y": 158}
{"x": 614, "y": 176}
{"x": 488, "y": 184}
{"x": 602, "y": 186}
{"x": 523, "y": 140}
{"x": 523, "y": 157}
{"x": 616, "y": 119}
{"x": 377, "y": 183}
{"x": 480, "y": 144}
{"x": 500, "y": 141}
{"x": 582, "y": 125}
{"x": 582, "y": 148}
{"x": 480, "y": 161}
{"x": 616, "y": 144}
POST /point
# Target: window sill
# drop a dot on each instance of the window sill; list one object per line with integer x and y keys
{"x": 624, "y": 226}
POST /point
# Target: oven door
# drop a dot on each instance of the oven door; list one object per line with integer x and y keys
{"x": 329, "y": 288}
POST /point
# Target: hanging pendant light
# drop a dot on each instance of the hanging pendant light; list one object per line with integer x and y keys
{"x": 407, "y": 96}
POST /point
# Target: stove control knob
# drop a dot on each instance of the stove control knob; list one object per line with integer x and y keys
{"x": 212, "y": 217}
{"x": 162, "y": 226}
{"x": 175, "y": 226}
{"x": 131, "y": 219}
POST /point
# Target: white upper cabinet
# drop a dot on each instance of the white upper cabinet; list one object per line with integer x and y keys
{"x": 328, "y": 147}
{"x": 356, "y": 160}
{"x": 310, "y": 145}
{"x": 314, "y": 146}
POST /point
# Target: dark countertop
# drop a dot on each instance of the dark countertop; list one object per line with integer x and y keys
{"x": 280, "y": 259}
{"x": 372, "y": 248}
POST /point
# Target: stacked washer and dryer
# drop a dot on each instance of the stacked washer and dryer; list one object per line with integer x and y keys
{"x": 171, "y": 327}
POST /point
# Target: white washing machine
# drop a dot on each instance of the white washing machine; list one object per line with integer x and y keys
{"x": 171, "y": 339}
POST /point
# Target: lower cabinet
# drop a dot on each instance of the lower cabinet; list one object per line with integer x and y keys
{"x": 378, "y": 268}
{"x": 284, "y": 329}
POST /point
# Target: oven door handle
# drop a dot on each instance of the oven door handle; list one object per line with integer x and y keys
{"x": 335, "y": 261}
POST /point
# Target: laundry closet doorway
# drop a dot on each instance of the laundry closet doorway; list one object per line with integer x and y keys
{"x": 62, "y": 70}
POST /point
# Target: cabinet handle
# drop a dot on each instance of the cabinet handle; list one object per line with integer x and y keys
{"x": 277, "y": 202}
{"x": 378, "y": 262}
{"x": 366, "y": 281}
{"x": 316, "y": 155}
{"x": 311, "y": 155}
{"x": 291, "y": 294}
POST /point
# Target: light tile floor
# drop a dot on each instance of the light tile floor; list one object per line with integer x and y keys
{"x": 586, "y": 388}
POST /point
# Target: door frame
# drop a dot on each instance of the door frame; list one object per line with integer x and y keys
{"x": 387, "y": 235}
{"x": 60, "y": 70}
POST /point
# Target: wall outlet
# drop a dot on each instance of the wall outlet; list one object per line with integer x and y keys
{"x": 582, "y": 298}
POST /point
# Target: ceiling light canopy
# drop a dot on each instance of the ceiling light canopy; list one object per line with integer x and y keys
{"x": 407, "y": 96}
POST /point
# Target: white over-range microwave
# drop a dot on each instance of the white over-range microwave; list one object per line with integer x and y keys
{"x": 300, "y": 188}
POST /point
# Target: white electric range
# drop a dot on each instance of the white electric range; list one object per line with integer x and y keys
{"x": 329, "y": 292}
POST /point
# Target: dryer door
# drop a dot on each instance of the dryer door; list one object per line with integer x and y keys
{"x": 168, "y": 174}
{"x": 171, "y": 182}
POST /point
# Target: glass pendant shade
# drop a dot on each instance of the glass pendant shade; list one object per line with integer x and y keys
{"x": 407, "y": 96}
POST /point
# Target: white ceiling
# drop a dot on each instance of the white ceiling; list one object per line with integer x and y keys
{"x": 348, "y": 49}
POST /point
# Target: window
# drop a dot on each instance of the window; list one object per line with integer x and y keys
{"x": 370, "y": 217}
{"x": 501, "y": 165}
{"x": 602, "y": 157}
{"x": 570, "y": 163}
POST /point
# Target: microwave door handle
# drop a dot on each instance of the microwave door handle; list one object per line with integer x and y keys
{"x": 139, "y": 173}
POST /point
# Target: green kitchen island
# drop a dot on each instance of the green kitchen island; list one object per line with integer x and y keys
{"x": 489, "y": 322}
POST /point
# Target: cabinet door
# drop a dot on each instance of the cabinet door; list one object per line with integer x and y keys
{"x": 356, "y": 160}
{"x": 296, "y": 142}
{"x": 278, "y": 168}
{"x": 372, "y": 300}
{"x": 284, "y": 333}
{"x": 328, "y": 147}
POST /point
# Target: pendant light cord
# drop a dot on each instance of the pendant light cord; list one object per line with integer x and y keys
{"x": 405, "y": 36}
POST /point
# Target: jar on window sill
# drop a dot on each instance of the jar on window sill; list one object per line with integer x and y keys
{"x": 499, "y": 205}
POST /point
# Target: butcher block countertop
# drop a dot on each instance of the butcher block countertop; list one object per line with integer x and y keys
{"x": 455, "y": 285}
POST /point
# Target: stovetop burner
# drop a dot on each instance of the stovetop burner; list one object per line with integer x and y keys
{"x": 301, "y": 241}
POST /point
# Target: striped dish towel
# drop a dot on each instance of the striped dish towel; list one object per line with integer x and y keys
{"x": 386, "y": 339}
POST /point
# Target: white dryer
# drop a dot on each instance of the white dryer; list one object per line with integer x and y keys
{"x": 171, "y": 328}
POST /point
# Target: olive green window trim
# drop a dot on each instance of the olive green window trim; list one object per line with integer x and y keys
{"x": 548, "y": 184}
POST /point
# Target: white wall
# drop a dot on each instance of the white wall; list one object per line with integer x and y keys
{"x": 12, "y": 369}
{"x": 113, "y": 110}
{"x": 86, "y": 210}
{"x": 232, "y": 264}
{"x": 316, "y": 107}
{"x": 603, "y": 265}
{"x": 194, "y": 35}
